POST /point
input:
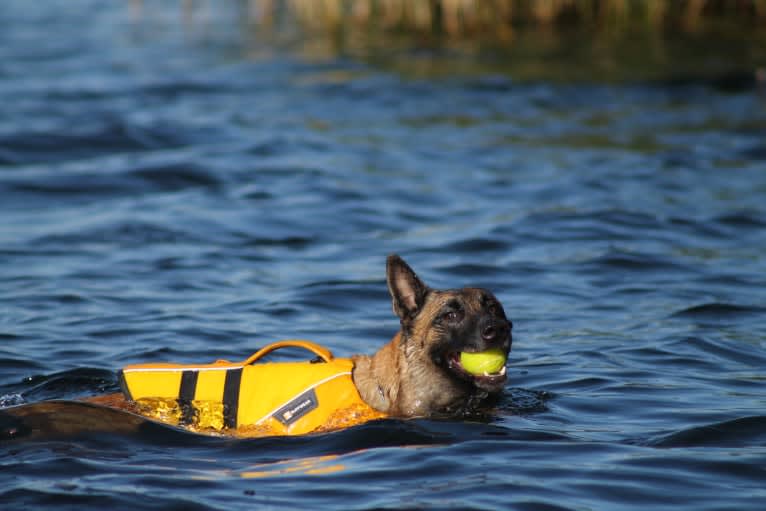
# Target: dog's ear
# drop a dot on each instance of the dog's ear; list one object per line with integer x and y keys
{"x": 408, "y": 292}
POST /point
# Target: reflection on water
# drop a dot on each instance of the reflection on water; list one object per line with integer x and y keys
{"x": 179, "y": 193}
{"x": 319, "y": 466}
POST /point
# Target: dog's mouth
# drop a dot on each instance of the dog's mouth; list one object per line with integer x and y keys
{"x": 482, "y": 378}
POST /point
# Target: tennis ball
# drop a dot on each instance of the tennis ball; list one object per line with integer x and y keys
{"x": 490, "y": 361}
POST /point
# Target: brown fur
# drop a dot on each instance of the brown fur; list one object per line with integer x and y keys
{"x": 414, "y": 375}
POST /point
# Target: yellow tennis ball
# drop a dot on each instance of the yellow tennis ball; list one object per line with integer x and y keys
{"x": 490, "y": 361}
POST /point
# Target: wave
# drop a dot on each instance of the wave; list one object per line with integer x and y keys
{"x": 62, "y": 144}
{"x": 742, "y": 432}
{"x": 719, "y": 310}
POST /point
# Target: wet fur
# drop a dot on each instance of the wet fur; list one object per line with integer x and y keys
{"x": 411, "y": 376}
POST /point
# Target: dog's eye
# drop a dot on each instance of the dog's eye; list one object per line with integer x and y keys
{"x": 452, "y": 316}
{"x": 494, "y": 309}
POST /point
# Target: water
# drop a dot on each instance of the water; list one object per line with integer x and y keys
{"x": 183, "y": 193}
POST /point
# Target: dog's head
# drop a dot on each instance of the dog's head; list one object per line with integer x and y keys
{"x": 437, "y": 326}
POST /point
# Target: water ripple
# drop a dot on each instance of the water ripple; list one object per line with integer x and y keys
{"x": 741, "y": 432}
{"x": 110, "y": 138}
{"x": 185, "y": 191}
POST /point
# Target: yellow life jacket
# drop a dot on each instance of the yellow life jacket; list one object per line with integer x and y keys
{"x": 249, "y": 399}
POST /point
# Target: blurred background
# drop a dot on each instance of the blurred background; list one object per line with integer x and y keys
{"x": 184, "y": 181}
{"x": 721, "y": 41}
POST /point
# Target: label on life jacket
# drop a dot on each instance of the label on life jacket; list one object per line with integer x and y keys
{"x": 281, "y": 398}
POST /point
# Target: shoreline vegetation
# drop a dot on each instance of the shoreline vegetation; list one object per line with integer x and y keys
{"x": 500, "y": 18}
{"x": 482, "y": 18}
{"x": 722, "y": 42}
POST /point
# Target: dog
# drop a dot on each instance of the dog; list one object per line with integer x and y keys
{"x": 419, "y": 373}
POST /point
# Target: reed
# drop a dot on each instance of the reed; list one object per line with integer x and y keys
{"x": 472, "y": 17}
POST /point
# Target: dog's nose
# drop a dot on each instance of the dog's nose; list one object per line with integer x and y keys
{"x": 489, "y": 333}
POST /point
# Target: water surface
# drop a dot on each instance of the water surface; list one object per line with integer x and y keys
{"x": 184, "y": 193}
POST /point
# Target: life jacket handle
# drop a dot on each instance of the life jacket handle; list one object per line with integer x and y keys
{"x": 320, "y": 351}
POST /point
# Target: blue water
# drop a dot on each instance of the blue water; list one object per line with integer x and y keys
{"x": 187, "y": 191}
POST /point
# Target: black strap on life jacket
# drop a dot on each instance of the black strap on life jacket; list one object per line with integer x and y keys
{"x": 231, "y": 397}
{"x": 186, "y": 395}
